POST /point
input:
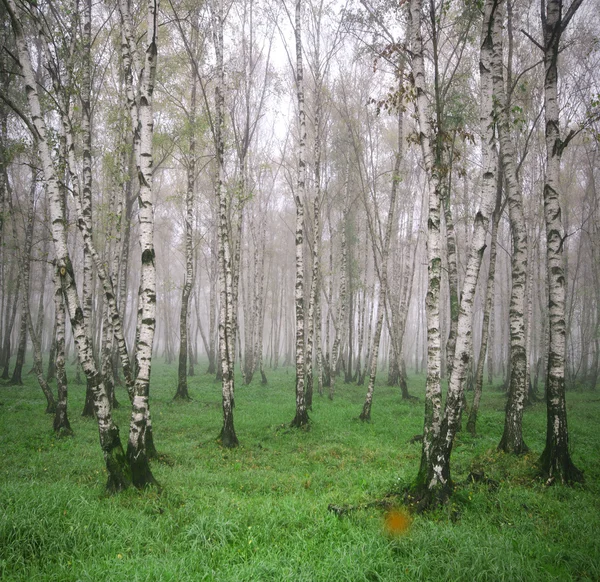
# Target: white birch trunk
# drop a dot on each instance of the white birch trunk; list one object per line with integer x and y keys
{"x": 140, "y": 445}
{"x": 512, "y": 438}
{"x": 433, "y": 391}
{"x": 301, "y": 418}
{"x": 61, "y": 424}
{"x": 182, "y": 387}
{"x": 225, "y": 274}
{"x": 382, "y": 270}
{"x": 119, "y": 475}
{"x": 556, "y": 460}
{"x": 435, "y": 475}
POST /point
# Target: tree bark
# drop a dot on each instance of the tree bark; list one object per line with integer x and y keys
{"x": 226, "y": 317}
{"x": 61, "y": 424}
{"x": 381, "y": 265}
{"x": 119, "y": 474}
{"x": 434, "y": 483}
{"x": 140, "y": 445}
{"x": 512, "y": 437}
{"x": 182, "y": 387}
{"x": 437, "y": 487}
{"x": 556, "y": 460}
{"x": 301, "y": 418}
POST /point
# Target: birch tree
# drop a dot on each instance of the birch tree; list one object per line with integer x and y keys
{"x": 182, "y": 387}
{"x": 119, "y": 472}
{"x": 512, "y": 437}
{"x": 381, "y": 265}
{"x": 61, "y": 424}
{"x": 301, "y": 418}
{"x": 434, "y": 483}
{"x": 225, "y": 258}
{"x": 139, "y": 445}
{"x": 556, "y": 460}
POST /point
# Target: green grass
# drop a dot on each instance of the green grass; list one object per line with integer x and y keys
{"x": 259, "y": 512}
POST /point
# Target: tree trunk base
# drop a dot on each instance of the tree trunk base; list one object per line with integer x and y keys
{"x": 509, "y": 446}
{"x": 422, "y": 495}
{"x": 151, "y": 451}
{"x": 88, "y": 407}
{"x": 471, "y": 423}
{"x": 423, "y": 498}
{"x": 263, "y": 378}
{"x": 301, "y": 420}
{"x": 556, "y": 465}
{"x": 119, "y": 472}
{"x": 61, "y": 424}
{"x": 51, "y": 408}
{"x": 141, "y": 475}
{"x": 365, "y": 415}
{"x": 182, "y": 394}
{"x": 228, "y": 437}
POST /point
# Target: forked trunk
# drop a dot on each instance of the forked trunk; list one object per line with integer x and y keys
{"x": 434, "y": 483}
{"x": 488, "y": 299}
{"x": 140, "y": 446}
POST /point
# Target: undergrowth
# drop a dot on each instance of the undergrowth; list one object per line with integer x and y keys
{"x": 260, "y": 512}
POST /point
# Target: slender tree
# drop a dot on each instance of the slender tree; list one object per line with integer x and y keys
{"x": 119, "y": 473}
{"x": 512, "y": 437}
{"x": 434, "y": 484}
{"x": 556, "y": 460}
{"x": 182, "y": 387}
{"x": 225, "y": 258}
{"x": 301, "y": 418}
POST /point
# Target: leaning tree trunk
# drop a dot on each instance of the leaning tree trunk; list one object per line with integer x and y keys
{"x": 25, "y": 258}
{"x": 25, "y": 262}
{"x": 119, "y": 475}
{"x": 382, "y": 267}
{"x": 341, "y": 310}
{"x": 512, "y": 437}
{"x": 434, "y": 483}
{"x": 301, "y": 417}
{"x": 488, "y": 299}
{"x": 556, "y": 460}
{"x": 10, "y": 322}
{"x": 182, "y": 387}
{"x": 397, "y": 321}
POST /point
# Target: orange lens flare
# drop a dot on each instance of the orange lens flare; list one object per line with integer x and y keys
{"x": 396, "y": 522}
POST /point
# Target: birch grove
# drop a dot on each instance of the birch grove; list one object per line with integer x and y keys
{"x": 316, "y": 189}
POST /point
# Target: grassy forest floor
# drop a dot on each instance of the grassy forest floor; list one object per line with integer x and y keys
{"x": 260, "y": 512}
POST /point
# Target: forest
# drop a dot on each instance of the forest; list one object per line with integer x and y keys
{"x": 320, "y": 277}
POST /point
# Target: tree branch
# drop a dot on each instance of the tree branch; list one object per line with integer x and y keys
{"x": 20, "y": 113}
